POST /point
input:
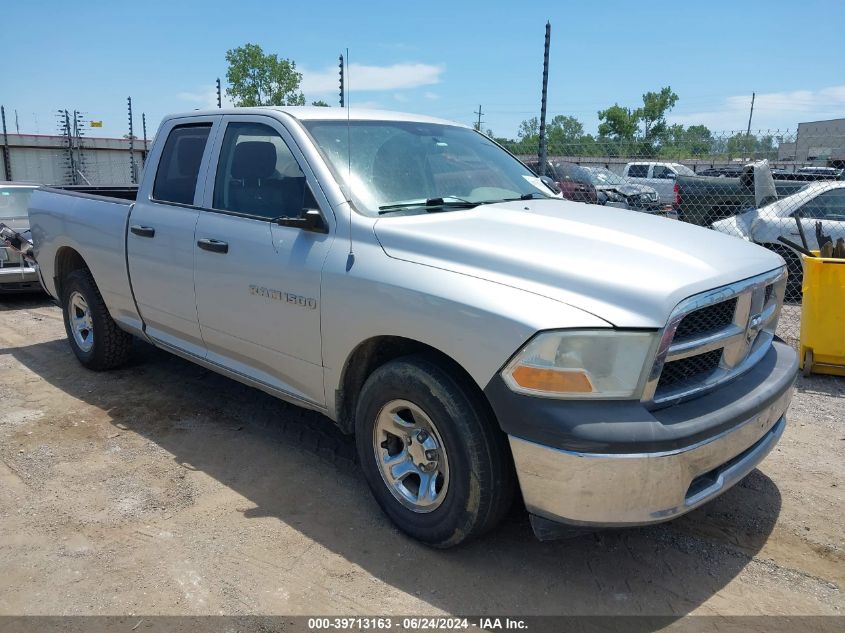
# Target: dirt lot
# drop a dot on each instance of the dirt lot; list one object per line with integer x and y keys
{"x": 163, "y": 488}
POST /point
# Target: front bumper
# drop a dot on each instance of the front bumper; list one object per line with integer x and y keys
{"x": 19, "y": 279}
{"x": 619, "y": 464}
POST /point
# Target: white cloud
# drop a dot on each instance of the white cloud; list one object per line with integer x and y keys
{"x": 205, "y": 99}
{"x": 772, "y": 111}
{"x": 364, "y": 77}
{"x": 431, "y": 96}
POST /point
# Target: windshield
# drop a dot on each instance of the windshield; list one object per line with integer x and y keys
{"x": 600, "y": 176}
{"x": 683, "y": 170}
{"x": 409, "y": 164}
{"x": 14, "y": 202}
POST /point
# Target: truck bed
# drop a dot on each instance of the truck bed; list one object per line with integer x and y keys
{"x": 105, "y": 191}
{"x": 89, "y": 223}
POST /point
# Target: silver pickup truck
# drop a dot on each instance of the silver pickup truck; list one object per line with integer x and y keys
{"x": 418, "y": 285}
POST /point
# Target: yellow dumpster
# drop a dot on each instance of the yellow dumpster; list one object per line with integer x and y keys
{"x": 823, "y": 316}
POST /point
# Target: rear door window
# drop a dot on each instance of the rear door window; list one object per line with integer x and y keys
{"x": 179, "y": 166}
{"x": 638, "y": 171}
{"x": 661, "y": 171}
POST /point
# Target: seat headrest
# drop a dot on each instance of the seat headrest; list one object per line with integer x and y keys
{"x": 254, "y": 159}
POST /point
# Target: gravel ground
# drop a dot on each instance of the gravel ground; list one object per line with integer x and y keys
{"x": 162, "y": 488}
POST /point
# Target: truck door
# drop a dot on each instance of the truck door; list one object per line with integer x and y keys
{"x": 160, "y": 240}
{"x": 258, "y": 283}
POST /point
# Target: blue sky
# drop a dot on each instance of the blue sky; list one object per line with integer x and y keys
{"x": 438, "y": 58}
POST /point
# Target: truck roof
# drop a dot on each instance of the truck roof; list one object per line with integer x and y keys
{"x": 313, "y": 113}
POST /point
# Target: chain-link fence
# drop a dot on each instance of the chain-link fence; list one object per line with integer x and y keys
{"x": 709, "y": 179}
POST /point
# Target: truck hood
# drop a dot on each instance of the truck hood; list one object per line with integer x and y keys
{"x": 627, "y": 268}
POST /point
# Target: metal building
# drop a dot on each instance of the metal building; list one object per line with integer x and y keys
{"x": 820, "y": 142}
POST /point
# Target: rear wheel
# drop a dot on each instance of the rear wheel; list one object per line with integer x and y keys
{"x": 436, "y": 462}
{"x": 94, "y": 337}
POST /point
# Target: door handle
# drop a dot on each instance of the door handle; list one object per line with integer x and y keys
{"x": 142, "y": 231}
{"x": 214, "y": 246}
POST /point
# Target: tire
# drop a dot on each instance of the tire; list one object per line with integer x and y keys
{"x": 94, "y": 337}
{"x": 469, "y": 462}
{"x": 796, "y": 274}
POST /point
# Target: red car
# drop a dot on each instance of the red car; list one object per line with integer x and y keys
{"x": 574, "y": 181}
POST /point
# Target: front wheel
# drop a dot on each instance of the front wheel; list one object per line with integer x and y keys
{"x": 433, "y": 457}
{"x": 94, "y": 337}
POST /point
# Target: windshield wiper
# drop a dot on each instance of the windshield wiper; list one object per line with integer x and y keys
{"x": 526, "y": 196}
{"x": 431, "y": 204}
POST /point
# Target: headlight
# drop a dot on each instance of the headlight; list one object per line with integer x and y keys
{"x": 577, "y": 364}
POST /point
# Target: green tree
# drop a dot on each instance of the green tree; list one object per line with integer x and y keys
{"x": 529, "y": 128}
{"x": 259, "y": 79}
{"x": 638, "y": 131}
{"x": 741, "y": 145}
{"x": 564, "y": 134}
{"x": 681, "y": 142}
{"x": 320, "y": 103}
{"x": 618, "y": 123}
{"x": 653, "y": 113}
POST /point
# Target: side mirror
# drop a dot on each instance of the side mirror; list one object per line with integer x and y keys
{"x": 551, "y": 184}
{"x": 310, "y": 220}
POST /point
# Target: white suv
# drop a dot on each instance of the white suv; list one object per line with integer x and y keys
{"x": 660, "y": 176}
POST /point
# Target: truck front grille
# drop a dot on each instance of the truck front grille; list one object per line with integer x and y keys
{"x": 715, "y": 336}
{"x": 689, "y": 370}
{"x": 706, "y": 320}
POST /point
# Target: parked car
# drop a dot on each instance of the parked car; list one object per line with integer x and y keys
{"x": 574, "y": 182}
{"x": 703, "y": 200}
{"x": 659, "y": 176}
{"x": 15, "y": 274}
{"x": 617, "y": 192}
{"x": 423, "y": 289}
{"x": 822, "y": 202}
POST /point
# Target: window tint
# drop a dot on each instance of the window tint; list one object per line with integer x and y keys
{"x": 572, "y": 172}
{"x": 660, "y": 171}
{"x": 258, "y": 175}
{"x": 638, "y": 171}
{"x": 179, "y": 166}
{"x": 830, "y": 205}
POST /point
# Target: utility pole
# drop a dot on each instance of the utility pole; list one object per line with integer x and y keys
{"x": 748, "y": 147}
{"x": 478, "y": 121}
{"x": 17, "y": 126}
{"x": 133, "y": 176}
{"x": 750, "y": 114}
{"x": 542, "y": 149}
{"x": 7, "y": 166}
{"x": 340, "y": 65}
{"x": 219, "y": 96}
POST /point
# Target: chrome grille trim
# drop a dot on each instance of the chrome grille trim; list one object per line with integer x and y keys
{"x": 744, "y": 341}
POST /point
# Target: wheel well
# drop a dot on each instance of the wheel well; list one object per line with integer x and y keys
{"x": 67, "y": 260}
{"x": 375, "y": 352}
